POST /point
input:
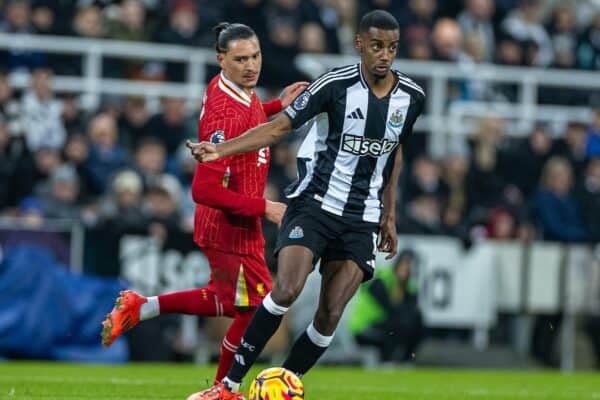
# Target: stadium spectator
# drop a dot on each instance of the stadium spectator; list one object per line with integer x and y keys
{"x": 525, "y": 158}
{"x": 564, "y": 36}
{"x": 7, "y": 165}
{"x": 43, "y": 18}
{"x": 573, "y": 146}
{"x": 416, "y": 22}
{"x": 524, "y": 24}
{"x": 588, "y": 51}
{"x": 556, "y": 209}
{"x": 476, "y": 20}
{"x": 168, "y": 126}
{"x": 17, "y": 19}
{"x": 75, "y": 153}
{"x": 425, "y": 179}
{"x": 422, "y": 216}
{"x": 106, "y": 156}
{"x": 41, "y": 113}
{"x": 593, "y": 136}
{"x": 386, "y": 313}
{"x": 485, "y": 178}
{"x": 10, "y": 108}
{"x": 311, "y": 38}
{"x": 150, "y": 160}
{"x": 184, "y": 28}
{"x": 588, "y": 194}
{"x": 88, "y": 22}
{"x": 62, "y": 200}
{"x": 133, "y": 121}
{"x": 32, "y": 169}
{"x": 71, "y": 115}
{"x": 447, "y": 41}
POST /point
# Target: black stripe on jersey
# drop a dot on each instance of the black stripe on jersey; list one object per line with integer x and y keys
{"x": 377, "y": 111}
{"x": 417, "y": 99}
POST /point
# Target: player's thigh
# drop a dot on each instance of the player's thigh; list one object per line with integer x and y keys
{"x": 241, "y": 280}
{"x": 358, "y": 245}
{"x": 340, "y": 281}
{"x": 303, "y": 236}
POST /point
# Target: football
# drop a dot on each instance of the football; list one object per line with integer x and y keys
{"x": 276, "y": 384}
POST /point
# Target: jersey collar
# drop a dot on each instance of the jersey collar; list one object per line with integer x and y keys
{"x": 234, "y": 90}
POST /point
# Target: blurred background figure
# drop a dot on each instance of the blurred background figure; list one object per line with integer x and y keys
{"x": 387, "y": 315}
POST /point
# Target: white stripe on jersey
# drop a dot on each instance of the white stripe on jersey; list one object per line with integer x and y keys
{"x": 330, "y": 74}
{"x": 411, "y": 83}
{"x": 345, "y": 163}
{"x": 313, "y": 89}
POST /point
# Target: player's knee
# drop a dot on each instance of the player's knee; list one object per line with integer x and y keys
{"x": 327, "y": 319}
{"x": 285, "y": 295}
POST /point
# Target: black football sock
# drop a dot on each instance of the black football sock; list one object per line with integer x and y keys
{"x": 307, "y": 350}
{"x": 265, "y": 322}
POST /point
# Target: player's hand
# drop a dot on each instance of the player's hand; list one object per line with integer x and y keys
{"x": 291, "y": 92}
{"x": 388, "y": 237}
{"x": 274, "y": 211}
{"x": 203, "y": 151}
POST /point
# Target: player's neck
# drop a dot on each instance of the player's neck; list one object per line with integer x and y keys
{"x": 380, "y": 86}
{"x": 247, "y": 90}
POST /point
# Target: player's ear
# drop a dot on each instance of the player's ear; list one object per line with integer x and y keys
{"x": 358, "y": 44}
{"x": 220, "y": 59}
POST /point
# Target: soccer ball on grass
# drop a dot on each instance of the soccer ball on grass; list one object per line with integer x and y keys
{"x": 276, "y": 384}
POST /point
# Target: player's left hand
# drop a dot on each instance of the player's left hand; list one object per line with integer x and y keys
{"x": 291, "y": 92}
{"x": 388, "y": 237}
{"x": 203, "y": 151}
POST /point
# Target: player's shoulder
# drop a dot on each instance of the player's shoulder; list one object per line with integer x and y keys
{"x": 339, "y": 76}
{"x": 409, "y": 85}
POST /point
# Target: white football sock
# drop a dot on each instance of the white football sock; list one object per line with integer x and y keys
{"x": 150, "y": 309}
{"x": 233, "y": 387}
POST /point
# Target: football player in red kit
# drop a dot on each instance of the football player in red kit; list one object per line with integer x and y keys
{"x": 230, "y": 203}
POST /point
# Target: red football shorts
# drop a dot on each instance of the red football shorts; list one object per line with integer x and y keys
{"x": 242, "y": 280}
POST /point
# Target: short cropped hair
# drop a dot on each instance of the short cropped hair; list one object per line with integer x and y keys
{"x": 379, "y": 19}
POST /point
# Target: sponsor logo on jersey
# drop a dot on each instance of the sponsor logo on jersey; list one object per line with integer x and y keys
{"x": 296, "y": 233}
{"x": 364, "y": 146}
{"x": 302, "y": 101}
{"x": 217, "y": 137}
{"x": 396, "y": 119}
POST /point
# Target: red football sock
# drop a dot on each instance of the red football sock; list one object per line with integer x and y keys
{"x": 203, "y": 302}
{"x": 231, "y": 341}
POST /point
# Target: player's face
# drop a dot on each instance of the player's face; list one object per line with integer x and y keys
{"x": 242, "y": 62}
{"x": 378, "y": 48}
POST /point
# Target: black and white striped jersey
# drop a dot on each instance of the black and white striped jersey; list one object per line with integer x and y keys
{"x": 348, "y": 154}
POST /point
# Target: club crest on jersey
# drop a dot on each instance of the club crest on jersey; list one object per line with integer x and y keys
{"x": 396, "y": 119}
{"x": 302, "y": 101}
{"x": 217, "y": 137}
{"x": 296, "y": 233}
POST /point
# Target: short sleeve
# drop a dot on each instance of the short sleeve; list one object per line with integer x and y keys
{"x": 310, "y": 103}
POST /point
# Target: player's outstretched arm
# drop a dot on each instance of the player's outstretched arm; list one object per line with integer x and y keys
{"x": 263, "y": 135}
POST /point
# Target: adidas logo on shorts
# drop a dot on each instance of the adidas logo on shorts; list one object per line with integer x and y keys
{"x": 296, "y": 233}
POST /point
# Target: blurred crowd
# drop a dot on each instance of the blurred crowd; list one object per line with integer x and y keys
{"x": 123, "y": 166}
{"x": 543, "y": 33}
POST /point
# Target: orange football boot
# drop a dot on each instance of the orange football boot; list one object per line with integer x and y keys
{"x": 124, "y": 316}
{"x": 217, "y": 392}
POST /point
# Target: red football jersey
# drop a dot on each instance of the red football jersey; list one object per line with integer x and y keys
{"x": 229, "y": 191}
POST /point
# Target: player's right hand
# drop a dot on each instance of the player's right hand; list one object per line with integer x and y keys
{"x": 203, "y": 151}
{"x": 274, "y": 211}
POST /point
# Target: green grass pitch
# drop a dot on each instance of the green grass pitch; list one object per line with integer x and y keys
{"x": 59, "y": 381}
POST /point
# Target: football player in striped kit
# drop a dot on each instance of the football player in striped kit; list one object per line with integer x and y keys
{"x": 344, "y": 199}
